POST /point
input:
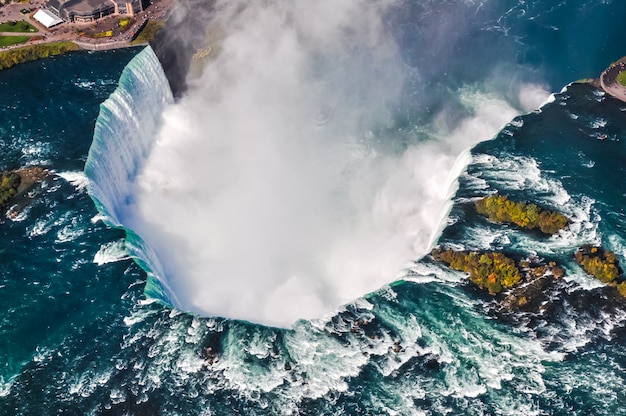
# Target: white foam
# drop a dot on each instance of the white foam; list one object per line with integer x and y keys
{"x": 77, "y": 178}
{"x": 111, "y": 252}
{"x": 617, "y": 244}
{"x": 424, "y": 272}
{"x": 518, "y": 173}
{"x": 5, "y": 386}
{"x": 597, "y": 123}
{"x": 21, "y": 215}
{"x": 86, "y": 383}
{"x": 35, "y": 153}
{"x": 70, "y": 232}
{"x": 41, "y": 227}
{"x": 98, "y": 217}
{"x": 87, "y": 85}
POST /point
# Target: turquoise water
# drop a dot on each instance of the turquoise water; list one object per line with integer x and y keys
{"x": 81, "y": 333}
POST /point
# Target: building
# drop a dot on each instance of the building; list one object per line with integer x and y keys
{"x": 47, "y": 18}
{"x": 128, "y": 7}
{"x": 92, "y": 10}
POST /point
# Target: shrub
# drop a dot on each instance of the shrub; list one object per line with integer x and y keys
{"x": 33, "y": 52}
{"x": 9, "y": 182}
{"x": 491, "y": 271}
{"x": 499, "y": 208}
{"x": 600, "y": 263}
{"x": 148, "y": 32}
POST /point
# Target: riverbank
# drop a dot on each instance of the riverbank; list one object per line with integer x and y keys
{"x": 29, "y": 53}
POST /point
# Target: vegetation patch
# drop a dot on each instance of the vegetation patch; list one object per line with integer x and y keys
{"x": 105, "y": 34}
{"x": 600, "y": 263}
{"x": 13, "y": 40}
{"x": 149, "y": 31}
{"x": 33, "y": 52}
{"x": 19, "y": 26}
{"x": 491, "y": 271}
{"x": 499, "y": 208}
{"x": 124, "y": 24}
{"x": 9, "y": 182}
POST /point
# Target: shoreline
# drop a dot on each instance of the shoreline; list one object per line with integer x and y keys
{"x": 608, "y": 80}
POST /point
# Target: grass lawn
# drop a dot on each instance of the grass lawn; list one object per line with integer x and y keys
{"x": 621, "y": 78}
{"x": 13, "y": 40}
{"x": 21, "y": 26}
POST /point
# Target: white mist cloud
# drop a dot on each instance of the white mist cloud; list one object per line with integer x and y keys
{"x": 269, "y": 196}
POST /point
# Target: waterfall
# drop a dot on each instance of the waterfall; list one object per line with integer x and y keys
{"x": 124, "y": 134}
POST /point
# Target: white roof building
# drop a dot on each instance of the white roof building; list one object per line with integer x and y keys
{"x": 47, "y": 18}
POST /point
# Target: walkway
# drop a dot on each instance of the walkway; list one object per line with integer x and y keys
{"x": 31, "y": 34}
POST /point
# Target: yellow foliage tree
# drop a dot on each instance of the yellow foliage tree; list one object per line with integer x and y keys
{"x": 501, "y": 209}
{"x": 600, "y": 263}
{"x": 8, "y": 187}
{"x": 491, "y": 271}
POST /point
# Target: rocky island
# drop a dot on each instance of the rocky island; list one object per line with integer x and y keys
{"x": 603, "y": 265}
{"x": 15, "y": 184}
{"x": 515, "y": 284}
{"x": 492, "y": 271}
{"x": 500, "y": 209}
{"x": 523, "y": 282}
